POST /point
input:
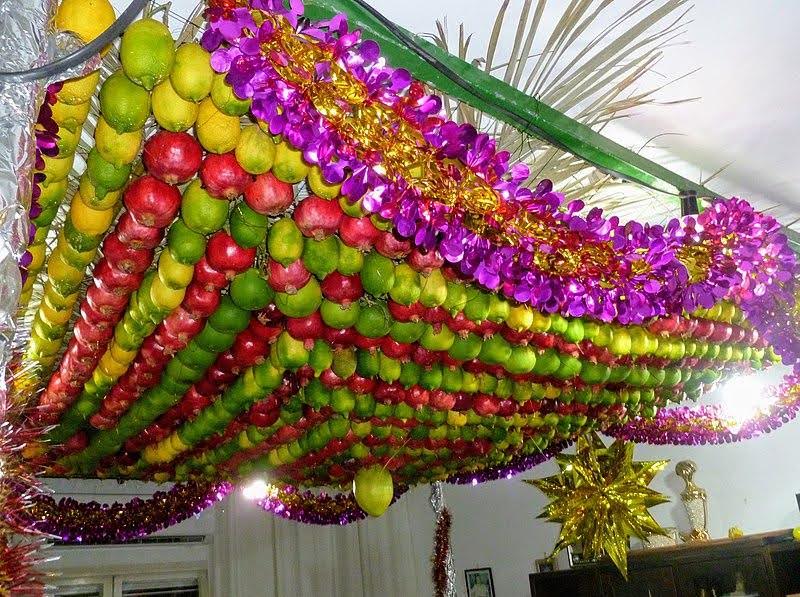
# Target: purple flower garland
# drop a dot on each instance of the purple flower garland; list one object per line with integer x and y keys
{"x": 46, "y": 145}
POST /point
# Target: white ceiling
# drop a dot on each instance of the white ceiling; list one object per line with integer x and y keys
{"x": 748, "y": 84}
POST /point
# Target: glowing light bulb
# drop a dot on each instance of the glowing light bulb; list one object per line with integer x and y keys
{"x": 256, "y": 490}
{"x": 474, "y": 482}
{"x": 745, "y": 398}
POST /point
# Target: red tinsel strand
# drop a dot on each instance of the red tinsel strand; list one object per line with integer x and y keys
{"x": 441, "y": 553}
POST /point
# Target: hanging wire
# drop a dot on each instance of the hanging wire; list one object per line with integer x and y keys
{"x": 49, "y": 71}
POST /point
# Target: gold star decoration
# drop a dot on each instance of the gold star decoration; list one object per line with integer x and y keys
{"x": 601, "y": 498}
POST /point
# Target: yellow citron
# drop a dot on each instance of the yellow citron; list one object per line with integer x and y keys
{"x": 70, "y": 117}
{"x": 456, "y": 419}
{"x": 56, "y": 169}
{"x": 320, "y": 187}
{"x": 53, "y": 317}
{"x": 79, "y": 90}
{"x": 255, "y": 150}
{"x": 172, "y": 273}
{"x": 551, "y": 392}
{"x": 192, "y": 74}
{"x": 87, "y": 18}
{"x": 37, "y": 252}
{"x": 172, "y": 112}
{"x": 43, "y": 351}
{"x": 121, "y": 355}
{"x": 53, "y": 193}
{"x": 67, "y": 142}
{"x": 116, "y": 148}
{"x": 165, "y": 297}
{"x": 87, "y": 220}
{"x": 289, "y": 165}
{"x": 217, "y": 132}
{"x": 88, "y": 194}
{"x": 520, "y": 318}
{"x": 59, "y": 270}
{"x": 111, "y": 367}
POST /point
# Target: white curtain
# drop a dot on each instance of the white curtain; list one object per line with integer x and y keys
{"x": 258, "y": 555}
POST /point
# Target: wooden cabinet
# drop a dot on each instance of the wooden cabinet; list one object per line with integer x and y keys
{"x": 764, "y": 565}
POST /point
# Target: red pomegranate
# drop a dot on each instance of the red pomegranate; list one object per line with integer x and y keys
{"x": 358, "y": 233}
{"x": 152, "y": 202}
{"x": 287, "y": 279}
{"x": 225, "y": 255}
{"x": 172, "y": 157}
{"x": 223, "y": 177}
{"x": 269, "y": 196}
{"x": 316, "y": 217}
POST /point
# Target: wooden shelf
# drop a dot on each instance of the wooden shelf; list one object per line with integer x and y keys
{"x": 769, "y": 565}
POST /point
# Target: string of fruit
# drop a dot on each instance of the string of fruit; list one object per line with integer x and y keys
{"x": 69, "y": 111}
{"x": 296, "y": 333}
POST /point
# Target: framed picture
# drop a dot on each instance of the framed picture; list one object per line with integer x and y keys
{"x": 479, "y": 582}
{"x": 575, "y": 553}
{"x": 546, "y": 565}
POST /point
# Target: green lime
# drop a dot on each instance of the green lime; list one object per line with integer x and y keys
{"x": 374, "y": 321}
{"x": 225, "y": 99}
{"x": 192, "y": 74}
{"x": 409, "y": 374}
{"x": 477, "y": 307}
{"x": 368, "y": 363}
{"x": 88, "y": 194}
{"x": 147, "y": 52}
{"x": 351, "y": 260}
{"x": 407, "y": 332}
{"x": 456, "y": 297}
{"x": 248, "y": 228}
{"x": 390, "y": 369}
{"x": 316, "y": 394}
{"x": 438, "y": 341}
{"x": 185, "y": 245}
{"x": 285, "y": 241}
{"x": 499, "y": 308}
{"x": 339, "y": 316}
{"x": 377, "y": 275}
{"x": 321, "y": 256}
{"x": 289, "y": 165}
{"x": 321, "y": 357}
{"x": 229, "y": 318}
{"x": 200, "y": 211}
{"x": 522, "y": 360}
{"x": 344, "y": 362}
{"x": 304, "y": 303}
{"x": 250, "y": 291}
{"x": 54, "y": 193}
{"x": 343, "y": 400}
{"x": 104, "y": 176}
{"x": 465, "y": 348}
{"x": 124, "y": 104}
{"x": 406, "y": 289}
{"x": 290, "y": 352}
{"x": 67, "y": 142}
{"x": 172, "y": 112}
{"x": 214, "y": 341}
{"x": 255, "y": 150}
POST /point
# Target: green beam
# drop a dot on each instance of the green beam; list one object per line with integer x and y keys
{"x": 506, "y": 103}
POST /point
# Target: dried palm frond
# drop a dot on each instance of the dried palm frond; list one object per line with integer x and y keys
{"x": 593, "y": 76}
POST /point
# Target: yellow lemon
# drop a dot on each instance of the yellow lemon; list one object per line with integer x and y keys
{"x": 172, "y": 112}
{"x": 43, "y": 350}
{"x": 121, "y": 355}
{"x": 56, "y": 169}
{"x": 255, "y": 150}
{"x": 67, "y": 142}
{"x": 116, "y": 148}
{"x": 87, "y": 220}
{"x": 56, "y": 300}
{"x": 60, "y": 272}
{"x": 87, "y": 18}
{"x": 53, "y": 193}
{"x": 289, "y": 165}
{"x": 88, "y": 194}
{"x": 111, "y": 367}
{"x": 147, "y": 52}
{"x": 321, "y": 187}
{"x": 52, "y": 317}
{"x": 173, "y": 274}
{"x": 124, "y": 104}
{"x": 192, "y": 74}
{"x": 79, "y": 90}
{"x": 225, "y": 99}
{"x": 163, "y": 296}
{"x": 37, "y": 252}
{"x": 520, "y": 318}
{"x": 70, "y": 116}
{"x": 217, "y": 132}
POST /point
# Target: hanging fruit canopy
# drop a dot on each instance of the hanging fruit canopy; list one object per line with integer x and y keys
{"x": 306, "y": 270}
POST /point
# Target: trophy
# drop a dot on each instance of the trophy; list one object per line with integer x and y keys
{"x": 695, "y": 501}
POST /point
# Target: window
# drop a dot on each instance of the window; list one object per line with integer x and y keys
{"x": 191, "y": 584}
